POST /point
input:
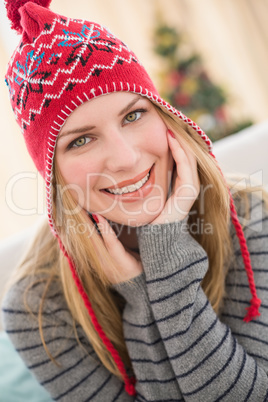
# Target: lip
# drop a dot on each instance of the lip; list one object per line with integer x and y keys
{"x": 138, "y": 194}
{"x": 126, "y": 183}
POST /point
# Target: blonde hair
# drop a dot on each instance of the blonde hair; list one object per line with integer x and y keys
{"x": 90, "y": 256}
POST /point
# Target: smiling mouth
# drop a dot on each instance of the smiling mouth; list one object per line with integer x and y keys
{"x": 131, "y": 188}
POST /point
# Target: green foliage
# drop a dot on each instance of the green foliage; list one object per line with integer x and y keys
{"x": 166, "y": 41}
{"x": 187, "y": 86}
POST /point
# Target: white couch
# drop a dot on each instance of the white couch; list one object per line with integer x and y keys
{"x": 246, "y": 152}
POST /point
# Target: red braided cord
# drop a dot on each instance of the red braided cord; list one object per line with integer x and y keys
{"x": 255, "y": 302}
{"x": 129, "y": 382}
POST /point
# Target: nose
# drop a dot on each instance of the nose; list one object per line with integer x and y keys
{"x": 121, "y": 152}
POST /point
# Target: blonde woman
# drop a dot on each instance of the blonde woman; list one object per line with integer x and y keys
{"x": 136, "y": 288}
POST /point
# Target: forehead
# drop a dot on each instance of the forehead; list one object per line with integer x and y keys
{"x": 112, "y": 103}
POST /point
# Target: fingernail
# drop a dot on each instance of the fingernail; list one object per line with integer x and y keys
{"x": 171, "y": 133}
{"x": 95, "y": 218}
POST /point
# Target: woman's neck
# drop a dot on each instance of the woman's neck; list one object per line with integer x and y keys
{"x": 128, "y": 237}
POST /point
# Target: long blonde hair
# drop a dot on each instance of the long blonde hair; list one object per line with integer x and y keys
{"x": 91, "y": 257}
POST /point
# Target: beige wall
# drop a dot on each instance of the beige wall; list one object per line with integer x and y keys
{"x": 231, "y": 35}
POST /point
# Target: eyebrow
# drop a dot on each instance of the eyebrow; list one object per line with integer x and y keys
{"x": 88, "y": 128}
{"x": 130, "y": 105}
{"x": 76, "y": 131}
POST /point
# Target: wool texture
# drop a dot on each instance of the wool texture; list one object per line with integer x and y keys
{"x": 179, "y": 348}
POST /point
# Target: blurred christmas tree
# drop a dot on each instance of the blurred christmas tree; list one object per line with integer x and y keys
{"x": 186, "y": 85}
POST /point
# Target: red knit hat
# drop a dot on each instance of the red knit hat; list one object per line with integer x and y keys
{"x": 59, "y": 64}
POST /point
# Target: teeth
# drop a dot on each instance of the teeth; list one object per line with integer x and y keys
{"x": 131, "y": 188}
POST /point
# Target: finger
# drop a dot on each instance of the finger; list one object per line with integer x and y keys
{"x": 127, "y": 265}
{"x": 186, "y": 167}
{"x": 185, "y": 163}
{"x": 180, "y": 148}
{"x": 108, "y": 234}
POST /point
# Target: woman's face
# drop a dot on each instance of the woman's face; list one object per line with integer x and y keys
{"x": 114, "y": 157}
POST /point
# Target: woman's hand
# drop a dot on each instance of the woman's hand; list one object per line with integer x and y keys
{"x": 186, "y": 187}
{"x": 185, "y": 183}
{"x": 128, "y": 261}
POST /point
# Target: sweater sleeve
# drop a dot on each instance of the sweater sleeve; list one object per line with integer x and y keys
{"x": 79, "y": 374}
{"x": 212, "y": 358}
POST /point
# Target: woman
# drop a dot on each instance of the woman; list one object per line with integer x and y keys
{"x": 141, "y": 293}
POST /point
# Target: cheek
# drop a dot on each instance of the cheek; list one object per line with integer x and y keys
{"x": 157, "y": 142}
{"x": 82, "y": 173}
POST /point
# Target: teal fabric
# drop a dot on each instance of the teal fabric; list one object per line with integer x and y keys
{"x": 17, "y": 384}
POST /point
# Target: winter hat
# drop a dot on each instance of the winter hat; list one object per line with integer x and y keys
{"x": 59, "y": 64}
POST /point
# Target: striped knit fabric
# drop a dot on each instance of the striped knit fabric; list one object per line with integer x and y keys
{"x": 180, "y": 349}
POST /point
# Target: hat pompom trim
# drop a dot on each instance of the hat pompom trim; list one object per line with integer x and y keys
{"x": 13, "y": 14}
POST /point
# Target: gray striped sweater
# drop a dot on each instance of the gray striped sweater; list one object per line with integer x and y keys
{"x": 180, "y": 349}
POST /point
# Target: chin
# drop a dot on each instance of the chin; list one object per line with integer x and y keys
{"x": 141, "y": 220}
{"x": 145, "y": 217}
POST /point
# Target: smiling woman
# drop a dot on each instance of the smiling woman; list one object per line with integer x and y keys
{"x": 125, "y": 295}
{"x": 114, "y": 162}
